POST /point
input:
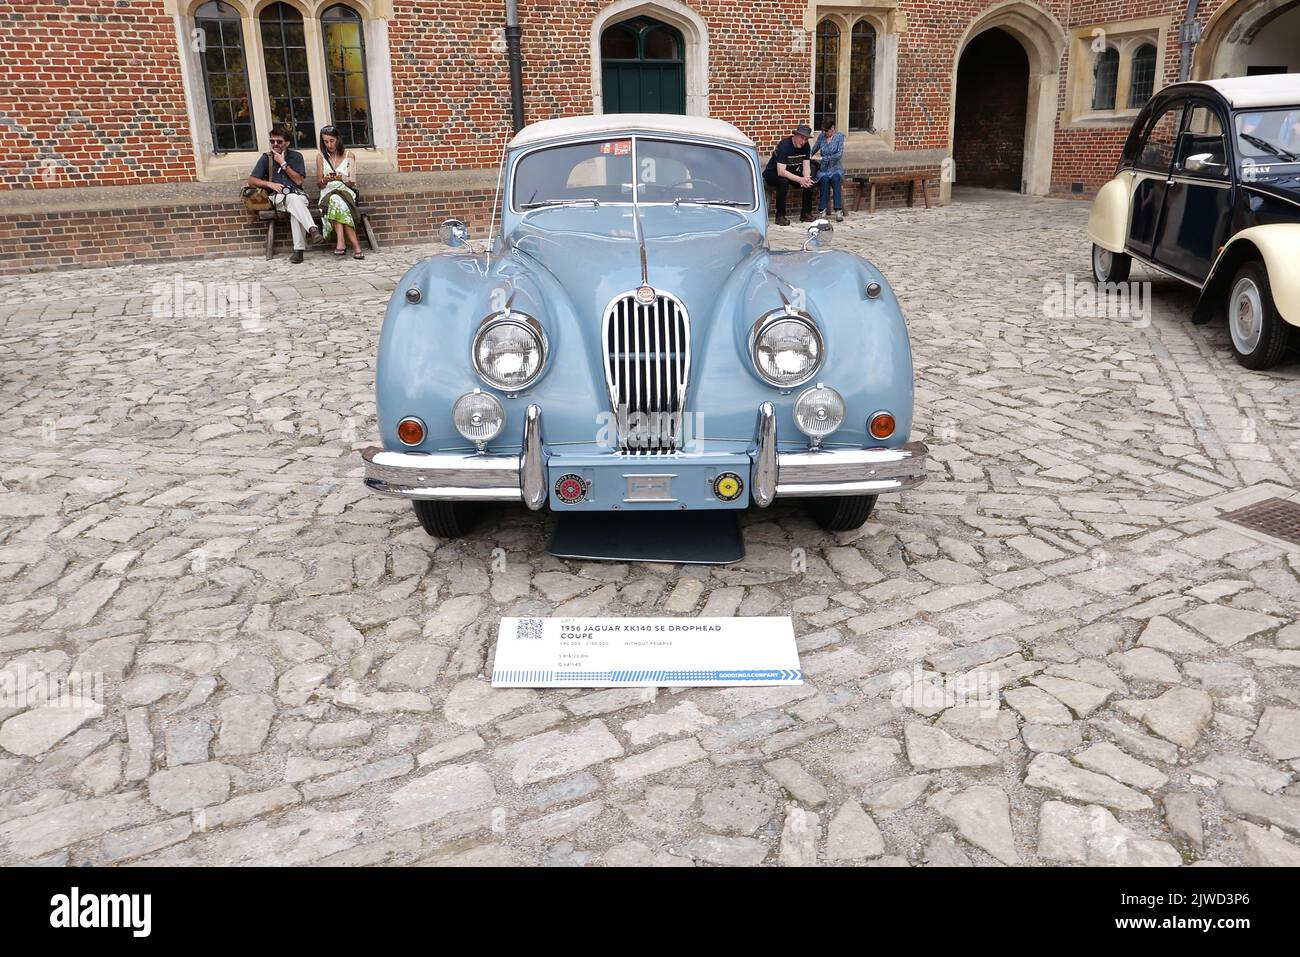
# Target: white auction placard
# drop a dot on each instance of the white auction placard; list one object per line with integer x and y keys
{"x": 645, "y": 652}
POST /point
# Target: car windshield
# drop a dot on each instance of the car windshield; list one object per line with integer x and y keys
{"x": 601, "y": 172}
{"x": 1268, "y": 144}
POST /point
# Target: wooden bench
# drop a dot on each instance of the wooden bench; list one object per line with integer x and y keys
{"x": 865, "y": 181}
{"x": 273, "y": 217}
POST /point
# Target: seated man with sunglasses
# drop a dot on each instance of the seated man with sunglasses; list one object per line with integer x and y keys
{"x": 282, "y": 172}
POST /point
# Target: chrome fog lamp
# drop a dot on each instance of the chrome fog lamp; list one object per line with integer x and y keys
{"x": 818, "y": 412}
{"x": 786, "y": 348}
{"x": 478, "y": 416}
{"x": 509, "y": 351}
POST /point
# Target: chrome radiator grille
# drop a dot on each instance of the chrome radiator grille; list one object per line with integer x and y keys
{"x": 647, "y": 367}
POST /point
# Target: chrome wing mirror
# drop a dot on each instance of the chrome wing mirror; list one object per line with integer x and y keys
{"x": 821, "y": 234}
{"x": 454, "y": 232}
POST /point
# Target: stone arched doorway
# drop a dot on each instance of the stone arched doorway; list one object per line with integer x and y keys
{"x": 1042, "y": 41}
{"x": 1249, "y": 37}
{"x": 655, "y": 22}
{"x": 988, "y": 137}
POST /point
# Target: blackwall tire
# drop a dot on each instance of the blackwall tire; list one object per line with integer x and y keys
{"x": 841, "y": 513}
{"x": 447, "y": 519}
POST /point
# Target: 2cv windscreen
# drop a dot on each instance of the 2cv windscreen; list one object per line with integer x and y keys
{"x": 1268, "y": 145}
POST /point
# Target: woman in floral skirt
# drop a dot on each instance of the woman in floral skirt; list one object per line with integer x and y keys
{"x": 336, "y": 175}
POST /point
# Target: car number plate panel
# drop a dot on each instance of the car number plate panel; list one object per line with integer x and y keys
{"x": 648, "y": 487}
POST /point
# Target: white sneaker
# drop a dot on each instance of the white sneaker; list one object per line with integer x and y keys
{"x": 839, "y": 215}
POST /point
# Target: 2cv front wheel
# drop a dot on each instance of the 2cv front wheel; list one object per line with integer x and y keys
{"x": 446, "y": 519}
{"x": 1108, "y": 266}
{"x": 841, "y": 513}
{"x": 1259, "y": 335}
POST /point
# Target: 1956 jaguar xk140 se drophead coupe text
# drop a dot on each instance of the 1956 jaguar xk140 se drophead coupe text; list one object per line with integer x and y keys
{"x": 629, "y": 343}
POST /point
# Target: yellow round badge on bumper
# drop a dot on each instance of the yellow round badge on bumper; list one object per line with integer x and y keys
{"x": 728, "y": 486}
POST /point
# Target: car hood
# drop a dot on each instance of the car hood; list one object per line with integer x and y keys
{"x": 593, "y": 255}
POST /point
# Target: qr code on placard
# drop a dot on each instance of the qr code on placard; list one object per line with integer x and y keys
{"x": 529, "y": 629}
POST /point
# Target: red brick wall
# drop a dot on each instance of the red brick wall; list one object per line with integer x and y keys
{"x": 92, "y": 90}
{"x": 452, "y": 93}
{"x": 91, "y": 94}
{"x": 60, "y": 239}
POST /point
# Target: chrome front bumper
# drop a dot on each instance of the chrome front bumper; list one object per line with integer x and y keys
{"x": 489, "y": 477}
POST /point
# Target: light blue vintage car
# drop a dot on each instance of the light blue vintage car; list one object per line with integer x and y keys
{"x": 630, "y": 343}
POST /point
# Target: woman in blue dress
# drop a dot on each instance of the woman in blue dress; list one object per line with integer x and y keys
{"x": 829, "y": 151}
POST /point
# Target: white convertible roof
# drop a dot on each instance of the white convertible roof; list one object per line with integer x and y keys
{"x": 1250, "y": 92}
{"x": 607, "y": 123}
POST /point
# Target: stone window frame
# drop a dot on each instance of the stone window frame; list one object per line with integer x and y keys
{"x": 888, "y": 20}
{"x": 1125, "y": 38}
{"x": 212, "y": 166}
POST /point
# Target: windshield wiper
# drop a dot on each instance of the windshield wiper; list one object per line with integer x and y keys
{"x": 1268, "y": 147}
{"x": 560, "y": 202}
{"x": 711, "y": 202}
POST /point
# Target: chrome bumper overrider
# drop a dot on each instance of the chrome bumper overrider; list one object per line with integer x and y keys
{"x": 464, "y": 477}
{"x": 488, "y": 477}
{"x": 826, "y": 472}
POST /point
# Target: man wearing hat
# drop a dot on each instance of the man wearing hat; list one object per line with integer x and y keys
{"x": 792, "y": 163}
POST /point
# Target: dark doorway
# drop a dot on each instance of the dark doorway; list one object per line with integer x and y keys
{"x": 988, "y": 138}
{"x": 643, "y": 67}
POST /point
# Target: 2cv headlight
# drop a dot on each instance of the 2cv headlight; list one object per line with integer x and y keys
{"x": 509, "y": 351}
{"x": 786, "y": 348}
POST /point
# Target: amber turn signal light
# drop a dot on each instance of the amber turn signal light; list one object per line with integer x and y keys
{"x": 410, "y": 431}
{"x": 881, "y": 425}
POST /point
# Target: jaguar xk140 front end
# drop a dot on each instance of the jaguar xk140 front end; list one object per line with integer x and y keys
{"x": 629, "y": 343}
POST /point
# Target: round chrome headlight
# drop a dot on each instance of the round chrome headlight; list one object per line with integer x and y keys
{"x": 509, "y": 351}
{"x": 819, "y": 411}
{"x": 786, "y": 348}
{"x": 478, "y": 416}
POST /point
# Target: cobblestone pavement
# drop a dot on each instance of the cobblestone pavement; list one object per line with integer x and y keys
{"x": 294, "y": 671}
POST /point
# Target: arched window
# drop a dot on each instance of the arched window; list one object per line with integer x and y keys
{"x": 284, "y": 48}
{"x": 826, "y": 73}
{"x": 619, "y": 42}
{"x": 1143, "y": 76}
{"x": 345, "y": 74}
{"x": 862, "y": 75}
{"x": 219, "y": 42}
{"x": 1105, "y": 78}
{"x": 661, "y": 42}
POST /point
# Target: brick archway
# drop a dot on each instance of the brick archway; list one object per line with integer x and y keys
{"x": 988, "y": 141}
{"x": 1044, "y": 41}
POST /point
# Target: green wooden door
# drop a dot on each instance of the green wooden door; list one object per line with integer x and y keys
{"x": 643, "y": 68}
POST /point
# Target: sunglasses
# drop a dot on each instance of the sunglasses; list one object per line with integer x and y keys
{"x": 279, "y": 142}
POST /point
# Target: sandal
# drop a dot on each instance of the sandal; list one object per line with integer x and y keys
{"x": 358, "y": 256}
{"x": 340, "y": 252}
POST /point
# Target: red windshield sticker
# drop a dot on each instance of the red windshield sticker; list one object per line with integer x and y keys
{"x": 617, "y": 148}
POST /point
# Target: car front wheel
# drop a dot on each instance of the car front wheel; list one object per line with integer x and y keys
{"x": 1108, "y": 266}
{"x": 1259, "y": 334}
{"x": 841, "y": 513}
{"x": 446, "y": 519}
